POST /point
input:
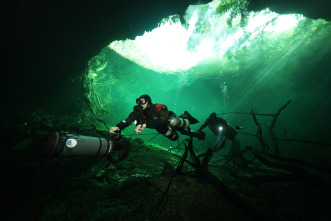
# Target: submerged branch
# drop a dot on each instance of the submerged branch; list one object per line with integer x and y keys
{"x": 298, "y": 173}
{"x": 272, "y": 126}
{"x": 268, "y": 115}
{"x": 300, "y": 162}
{"x": 259, "y": 132}
{"x": 305, "y": 141}
{"x": 202, "y": 171}
{"x": 277, "y": 114}
{"x": 293, "y": 140}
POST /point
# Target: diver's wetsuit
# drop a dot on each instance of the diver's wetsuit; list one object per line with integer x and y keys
{"x": 155, "y": 117}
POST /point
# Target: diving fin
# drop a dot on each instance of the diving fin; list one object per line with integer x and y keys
{"x": 189, "y": 117}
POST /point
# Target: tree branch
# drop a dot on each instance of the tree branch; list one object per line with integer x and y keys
{"x": 272, "y": 126}
{"x": 259, "y": 132}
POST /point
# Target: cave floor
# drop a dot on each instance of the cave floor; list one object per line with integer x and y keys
{"x": 94, "y": 189}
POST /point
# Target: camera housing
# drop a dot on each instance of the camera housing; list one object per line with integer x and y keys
{"x": 61, "y": 144}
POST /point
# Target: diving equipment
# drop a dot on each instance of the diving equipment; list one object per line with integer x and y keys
{"x": 62, "y": 144}
{"x": 171, "y": 134}
{"x": 146, "y": 97}
{"x": 177, "y": 122}
{"x": 183, "y": 121}
{"x": 182, "y": 125}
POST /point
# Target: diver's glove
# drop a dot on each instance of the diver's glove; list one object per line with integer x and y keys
{"x": 140, "y": 128}
{"x": 200, "y": 135}
{"x": 114, "y": 130}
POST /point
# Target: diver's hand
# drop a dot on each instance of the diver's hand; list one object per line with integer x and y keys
{"x": 113, "y": 130}
{"x": 140, "y": 128}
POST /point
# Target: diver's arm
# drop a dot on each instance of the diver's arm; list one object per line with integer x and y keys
{"x": 204, "y": 125}
{"x": 123, "y": 124}
{"x": 128, "y": 121}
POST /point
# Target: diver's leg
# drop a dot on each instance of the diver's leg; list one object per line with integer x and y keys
{"x": 235, "y": 148}
{"x": 236, "y": 155}
{"x": 168, "y": 132}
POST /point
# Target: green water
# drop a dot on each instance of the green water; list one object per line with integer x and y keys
{"x": 207, "y": 66}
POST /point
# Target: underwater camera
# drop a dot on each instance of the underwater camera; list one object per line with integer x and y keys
{"x": 62, "y": 144}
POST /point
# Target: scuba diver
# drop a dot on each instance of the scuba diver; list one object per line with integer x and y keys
{"x": 221, "y": 128}
{"x": 156, "y": 116}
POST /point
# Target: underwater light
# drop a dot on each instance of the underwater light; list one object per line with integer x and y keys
{"x": 220, "y": 128}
